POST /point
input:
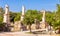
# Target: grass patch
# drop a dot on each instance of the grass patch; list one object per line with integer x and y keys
{"x": 29, "y": 32}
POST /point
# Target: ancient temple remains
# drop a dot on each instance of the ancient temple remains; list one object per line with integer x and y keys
{"x": 43, "y": 22}
{"x": 18, "y": 25}
{"x": 6, "y": 18}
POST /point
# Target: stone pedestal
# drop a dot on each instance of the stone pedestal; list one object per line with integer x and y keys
{"x": 33, "y": 26}
{"x": 17, "y": 26}
{"x": 42, "y": 26}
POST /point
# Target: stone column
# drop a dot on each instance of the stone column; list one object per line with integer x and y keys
{"x": 7, "y": 16}
{"x": 23, "y": 12}
{"x": 43, "y": 18}
{"x": 22, "y": 18}
{"x": 18, "y": 25}
{"x": 43, "y": 25}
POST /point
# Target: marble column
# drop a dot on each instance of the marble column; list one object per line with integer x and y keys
{"x": 22, "y": 18}
{"x": 43, "y": 18}
{"x": 6, "y": 15}
{"x": 43, "y": 25}
{"x": 23, "y": 12}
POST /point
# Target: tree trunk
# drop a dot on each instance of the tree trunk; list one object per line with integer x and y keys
{"x": 30, "y": 28}
{"x": 59, "y": 30}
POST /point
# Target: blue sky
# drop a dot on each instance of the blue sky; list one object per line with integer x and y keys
{"x": 16, "y": 5}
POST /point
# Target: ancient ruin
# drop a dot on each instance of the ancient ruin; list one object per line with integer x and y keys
{"x": 6, "y": 19}
{"x": 19, "y": 26}
{"x": 42, "y": 23}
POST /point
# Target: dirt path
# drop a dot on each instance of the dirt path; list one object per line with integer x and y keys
{"x": 21, "y": 34}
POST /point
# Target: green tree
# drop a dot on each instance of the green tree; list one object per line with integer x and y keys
{"x": 49, "y": 17}
{"x": 12, "y": 16}
{"x": 2, "y": 26}
{"x": 1, "y": 18}
{"x": 56, "y": 24}
{"x": 29, "y": 18}
{"x": 1, "y": 10}
{"x": 17, "y": 17}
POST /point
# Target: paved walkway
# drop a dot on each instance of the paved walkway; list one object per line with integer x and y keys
{"x": 21, "y": 34}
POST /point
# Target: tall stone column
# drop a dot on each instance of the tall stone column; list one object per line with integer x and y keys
{"x": 22, "y": 18}
{"x": 7, "y": 16}
{"x": 18, "y": 25}
{"x": 43, "y": 18}
{"x": 23, "y": 12}
{"x": 43, "y": 25}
